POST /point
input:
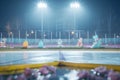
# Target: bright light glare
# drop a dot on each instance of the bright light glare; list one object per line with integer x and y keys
{"x": 42, "y": 5}
{"x": 75, "y": 5}
{"x": 72, "y": 32}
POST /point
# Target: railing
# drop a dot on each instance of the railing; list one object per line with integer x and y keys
{"x": 68, "y": 42}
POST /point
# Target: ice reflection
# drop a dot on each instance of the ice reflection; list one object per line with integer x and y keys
{"x": 24, "y": 57}
{"x": 97, "y": 57}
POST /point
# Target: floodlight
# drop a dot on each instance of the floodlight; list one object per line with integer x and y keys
{"x": 42, "y": 5}
{"x": 75, "y": 5}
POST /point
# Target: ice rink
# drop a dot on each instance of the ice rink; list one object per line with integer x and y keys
{"x": 76, "y": 56}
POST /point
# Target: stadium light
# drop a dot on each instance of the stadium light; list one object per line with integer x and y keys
{"x": 42, "y": 5}
{"x": 75, "y": 5}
